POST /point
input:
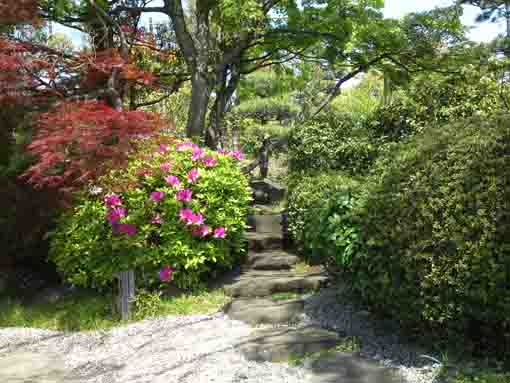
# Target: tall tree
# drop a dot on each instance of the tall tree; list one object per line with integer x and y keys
{"x": 221, "y": 40}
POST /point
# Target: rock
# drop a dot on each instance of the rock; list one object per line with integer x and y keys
{"x": 264, "y": 241}
{"x": 261, "y": 197}
{"x": 263, "y": 283}
{"x": 259, "y": 311}
{"x": 278, "y": 345}
{"x": 271, "y": 260}
{"x": 267, "y": 191}
{"x": 348, "y": 368}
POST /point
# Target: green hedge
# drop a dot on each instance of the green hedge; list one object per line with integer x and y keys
{"x": 435, "y": 228}
{"x": 332, "y": 142}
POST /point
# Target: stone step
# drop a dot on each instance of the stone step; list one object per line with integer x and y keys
{"x": 270, "y": 260}
{"x": 264, "y": 241}
{"x": 337, "y": 367}
{"x": 280, "y": 344}
{"x": 264, "y": 283}
{"x": 266, "y": 223}
{"x": 262, "y": 311}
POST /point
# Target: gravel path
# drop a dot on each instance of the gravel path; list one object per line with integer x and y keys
{"x": 185, "y": 349}
{"x": 202, "y": 348}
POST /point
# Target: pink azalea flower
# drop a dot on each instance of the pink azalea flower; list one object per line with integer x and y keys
{"x": 222, "y": 151}
{"x": 184, "y": 195}
{"x": 193, "y": 175}
{"x": 157, "y": 196}
{"x": 173, "y": 181}
{"x": 237, "y": 154}
{"x": 163, "y": 148}
{"x": 185, "y": 214}
{"x": 210, "y": 161}
{"x": 157, "y": 220}
{"x": 191, "y": 218}
{"x": 219, "y": 232}
{"x": 201, "y": 231}
{"x": 197, "y": 219}
{"x": 197, "y": 154}
{"x": 115, "y": 214}
{"x": 112, "y": 200}
{"x": 204, "y": 230}
{"x": 185, "y": 145}
{"x": 165, "y": 274}
{"x": 165, "y": 167}
{"x": 127, "y": 228}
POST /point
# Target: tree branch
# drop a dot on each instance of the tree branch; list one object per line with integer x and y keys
{"x": 362, "y": 68}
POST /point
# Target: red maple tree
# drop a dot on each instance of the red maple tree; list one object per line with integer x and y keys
{"x": 74, "y": 141}
{"x": 77, "y": 141}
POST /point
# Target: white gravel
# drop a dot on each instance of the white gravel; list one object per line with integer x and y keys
{"x": 203, "y": 348}
{"x": 380, "y": 341}
{"x": 183, "y": 349}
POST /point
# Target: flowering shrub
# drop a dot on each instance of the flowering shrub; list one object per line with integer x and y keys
{"x": 176, "y": 212}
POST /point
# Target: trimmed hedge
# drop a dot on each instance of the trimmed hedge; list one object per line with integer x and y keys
{"x": 435, "y": 228}
{"x": 332, "y": 142}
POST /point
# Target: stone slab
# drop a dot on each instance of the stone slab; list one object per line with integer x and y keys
{"x": 279, "y": 345}
{"x": 264, "y": 241}
{"x": 349, "y": 368}
{"x": 261, "y": 284}
{"x": 265, "y": 311}
{"x": 270, "y": 260}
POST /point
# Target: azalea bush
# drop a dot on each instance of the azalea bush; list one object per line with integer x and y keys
{"x": 176, "y": 213}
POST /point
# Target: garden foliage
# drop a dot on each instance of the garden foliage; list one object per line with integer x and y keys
{"x": 332, "y": 142}
{"x": 435, "y": 228}
{"x": 177, "y": 209}
{"x": 308, "y": 195}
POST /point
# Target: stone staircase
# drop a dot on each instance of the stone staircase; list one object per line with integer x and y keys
{"x": 267, "y": 275}
{"x": 268, "y": 270}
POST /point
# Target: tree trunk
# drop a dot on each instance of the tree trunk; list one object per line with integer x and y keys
{"x": 200, "y": 95}
{"x": 227, "y": 84}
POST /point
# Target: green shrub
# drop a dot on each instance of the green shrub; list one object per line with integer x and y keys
{"x": 438, "y": 99}
{"x": 308, "y": 194}
{"x": 331, "y": 237}
{"x": 157, "y": 230}
{"x": 332, "y": 142}
{"x": 435, "y": 226}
